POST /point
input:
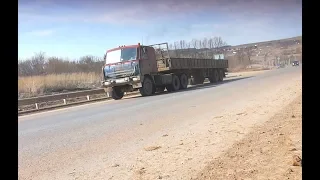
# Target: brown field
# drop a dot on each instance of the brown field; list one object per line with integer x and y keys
{"x": 31, "y": 86}
{"x": 53, "y": 83}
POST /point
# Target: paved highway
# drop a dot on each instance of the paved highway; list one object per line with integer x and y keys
{"x": 86, "y": 141}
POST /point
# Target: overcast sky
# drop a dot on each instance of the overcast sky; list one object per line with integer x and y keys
{"x": 77, "y": 28}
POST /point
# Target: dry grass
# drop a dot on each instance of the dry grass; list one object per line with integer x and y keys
{"x": 47, "y": 84}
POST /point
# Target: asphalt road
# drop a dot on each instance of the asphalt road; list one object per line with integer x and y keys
{"x": 52, "y": 143}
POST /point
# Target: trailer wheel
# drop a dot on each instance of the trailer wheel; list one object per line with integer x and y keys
{"x": 175, "y": 85}
{"x": 116, "y": 93}
{"x": 221, "y": 75}
{"x": 183, "y": 81}
{"x": 214, "y": 77}
{"x": 175, "y": 82}
{"x": 147, "y": 88}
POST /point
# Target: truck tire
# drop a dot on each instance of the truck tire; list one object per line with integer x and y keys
{"x": 214, "y": 77}
{"x": 147, "y": 88}
{"x": 183, "y": 81}
{"x": 175, "y": 85}
{"x": 116, "y": 93}
{"x": 221, "y": 75}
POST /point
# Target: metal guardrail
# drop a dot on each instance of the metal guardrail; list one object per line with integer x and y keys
{"x": 62, "y": 96}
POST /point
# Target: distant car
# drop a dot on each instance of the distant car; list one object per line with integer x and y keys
{"x": 295, "y": 63}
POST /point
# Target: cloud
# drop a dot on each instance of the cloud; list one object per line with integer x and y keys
{"x": 144, "y": 11}
{"x": 41, "y": 33}
{"x": 204, "y": 17}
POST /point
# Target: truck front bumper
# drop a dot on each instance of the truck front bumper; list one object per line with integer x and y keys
{"x": 135, "y": 82}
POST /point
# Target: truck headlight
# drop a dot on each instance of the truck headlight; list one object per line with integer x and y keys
{"x": 136, "y": 78}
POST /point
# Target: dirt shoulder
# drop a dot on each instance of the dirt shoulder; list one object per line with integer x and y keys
{"x": 198, "y": 146}
{"x": 268, "y": 152}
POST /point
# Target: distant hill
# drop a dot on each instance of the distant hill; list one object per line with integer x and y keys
{"x": 267, "y": 52}
{"x": 279, "y": 42}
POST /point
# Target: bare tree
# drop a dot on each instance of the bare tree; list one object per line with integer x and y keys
{"x": 25, "y": 68}
{"x": 205, "y": 43}
{"x": 194, "y": 43}
{"x": 38, "y": 63}
{"x": 176, "y": 47}
{"x": 182, "y": 44}
{"x": 210, "y": 43}
{"x": 188, "y": 45}
{"x": 218, "y": 42}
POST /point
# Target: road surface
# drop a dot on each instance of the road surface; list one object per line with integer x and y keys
{"x": 162, "y": 136}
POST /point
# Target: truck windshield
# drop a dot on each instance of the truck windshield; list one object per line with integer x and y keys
{"x": 120, "y": 55}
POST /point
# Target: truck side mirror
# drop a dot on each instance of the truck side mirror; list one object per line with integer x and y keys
{"x": 104, "y": 56}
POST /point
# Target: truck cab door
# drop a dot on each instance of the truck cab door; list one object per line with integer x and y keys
{"x": 148, "y": 62}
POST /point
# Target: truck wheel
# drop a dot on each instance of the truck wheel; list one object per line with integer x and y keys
{"x": 116, "y": 93}
{"x": 147, "y": 88}
{"x": 214, "y": 77}
{"x": 183, "y": 81}
{"x": 175, "y": 82}
{"x": 175, "y": 85}
{"x": 221, "y": 75}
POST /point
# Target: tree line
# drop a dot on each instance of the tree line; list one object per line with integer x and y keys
{"x": 39, "y": 64}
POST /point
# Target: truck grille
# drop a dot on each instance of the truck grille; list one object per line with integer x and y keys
{"x": 120, "y": 73}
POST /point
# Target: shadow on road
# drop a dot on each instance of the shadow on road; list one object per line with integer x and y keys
{"x": 195, "y": 87}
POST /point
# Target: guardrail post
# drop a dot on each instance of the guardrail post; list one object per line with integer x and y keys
{"x": 64, "y": 101}
{"x": 37, "y": 107}
{"x": 88, "y": 97}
